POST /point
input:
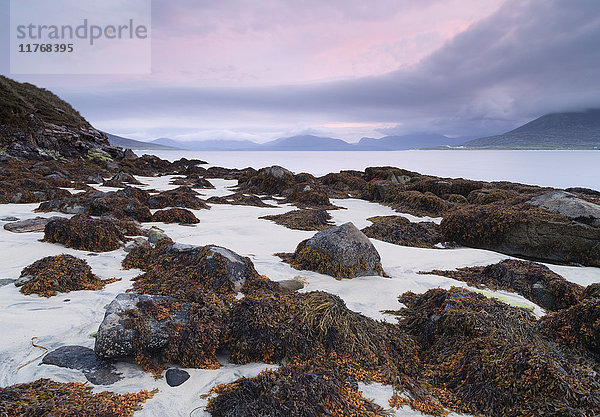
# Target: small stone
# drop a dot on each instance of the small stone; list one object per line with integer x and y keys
{"x": 176, "y": 377}
{"x": 9, "y": 219}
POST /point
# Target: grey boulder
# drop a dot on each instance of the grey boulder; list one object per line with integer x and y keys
{"x": 30, "y": 225}
{"x": 570, "y": 206}
{"x": 96, "y": 371}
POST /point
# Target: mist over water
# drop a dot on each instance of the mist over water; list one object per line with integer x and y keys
{"x": 561, "y": 169}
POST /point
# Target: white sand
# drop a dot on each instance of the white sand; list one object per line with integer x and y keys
{"x": 57, "y": 322}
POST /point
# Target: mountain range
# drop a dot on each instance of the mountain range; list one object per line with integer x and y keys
{"x": 569, "y": 130}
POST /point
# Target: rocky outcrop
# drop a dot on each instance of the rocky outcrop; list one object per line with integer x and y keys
{"x": 526, "y": 231}
{"x": 401, "y": 231}
{"x": 534, "y": 281}
{"x": 569, "y": 205}
{"x": 340, "y": 251}
{"x": 85, "y": 233}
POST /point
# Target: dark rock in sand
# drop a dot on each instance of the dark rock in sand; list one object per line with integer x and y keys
{"x": 179, "y": 197}
{"x": 534, "y": 281}
{"x": 175, "y": 215}
{"x": 97, "y": 371}
{"x": 290, "y": 285}
{"x": 85, "y": 233}
{"x": 570, "y": 206}
{"x": 121, "y": 179}
{"x": 401, "y": 231}
{"x": 194, "y": 181}
{"x": 176, "y": 377}
{"x": 526, "y": 231}
{"x": 37, "y": 224}
{"x": 340, "y": 251}
{"x": 304, "y": 219}
{"x": 9, "y": 219}
{"x": 6, "y": 281}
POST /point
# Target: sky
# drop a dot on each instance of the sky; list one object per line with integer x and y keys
{"x": 262, "y": 69}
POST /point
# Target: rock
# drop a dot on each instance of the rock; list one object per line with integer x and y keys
{"x": 134, "y": 243}
{"x": 179, "y": 197}
{"x": 524, "y": 231}
{"x": 176, "y": 377}
{"x": 291, "y": 285}
{"x": 85, "y": 233}
{"x": 9, "y": 219}
{"x": 413, "y": 202}
{"x": 401, "y": 231}
{"x": 37, "y": 224}
{"x": 94, "y": 179}
{"x": 271, "y": 180}
{"x": 239, "y": 199}
{"x": 97, "y": 371}
{"x": 175, "y": 215}
{"x": 6, "y": 281}
{"x": 129, "y": 155}
{"x": 116, "y": 338}
{"x": 307, "y": 195}
{"x": 304, "y": 219}
{"x": 155, "y": 234}
{"x": 570, "y": 206}
{"x": 340, "y": 251}
{"x": 592, "y": 291}
{"x": 122, "y": 178}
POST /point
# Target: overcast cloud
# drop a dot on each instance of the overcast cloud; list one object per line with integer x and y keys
{"x": 267, "y": 68}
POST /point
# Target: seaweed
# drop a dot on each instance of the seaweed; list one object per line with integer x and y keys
{"x": 85, "y": 233}
{"x": 62, "y": 273}
{"x": 175, "y": 215}
{"x": 534, "y": 281}
{"x": 401, "y": 231}
{"x": 304, "y": 219}
{"x": 45, "y": 397}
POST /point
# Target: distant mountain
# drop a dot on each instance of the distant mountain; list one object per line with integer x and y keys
{"x": 316, "y": 143}
{"x": 575, "y": 130}
{"x": 307, "y": 143}
{"x": 210, "y": 145}
{"x": 412, "y": 141}
{"x": 136, "y": 144}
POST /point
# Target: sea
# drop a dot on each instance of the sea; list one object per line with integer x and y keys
{"x": 560, "y": 169}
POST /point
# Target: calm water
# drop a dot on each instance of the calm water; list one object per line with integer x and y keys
{"x": 559, "y": 169}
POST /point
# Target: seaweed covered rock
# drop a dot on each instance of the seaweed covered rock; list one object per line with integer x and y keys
{"x": 239, "y": 199}
{"x": 578, "y": 326}
{"x": 569, "y": 205}
{"x": 592, "y": 291}
{"x": 175, "y": 215}
{"x": 490, "y": 195}
{"x": 128, "y": 203}
{"x": 308, "y": 195}
{"x": 194, "y": 181}
{"x": 292, "y": 391}
{"x": 121, "y": 179}
{"x": 408, "y": 201}
{"x": 45, "y": 397}
{"x": 401, "y": 231}
{"x": 85, "y": 233}
{"x": 271, "y": 180}
{"x": 344, "y": 184}
{"x": 155, "y": 329}
{"x": 62, "y": 273}
{"x": 340, "y": 251}
{"x": 522, "y": 230}
{"x": 179, "y": 197}
{"x": 183, "y": 271}
{"x": 485, "y": 357}
{"x": 304, "y": 219}
{"x": 534, "y": 281}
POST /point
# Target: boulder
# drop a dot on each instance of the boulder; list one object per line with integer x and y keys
{"x": 526, "y": 231}
{"x": 37, "y": 224}
{"x": 97, "y": 371}
{"x": 94, "y": 179}
{"x": 271, "y": 180}
{"x": 340, "y": 251}
{"x": 175, "y": 215}
{"x": 569, "y": 205}
{"x": 116, "y": 337}
{"x": 176, "y": 377}
{"x": 304, "y": 219}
